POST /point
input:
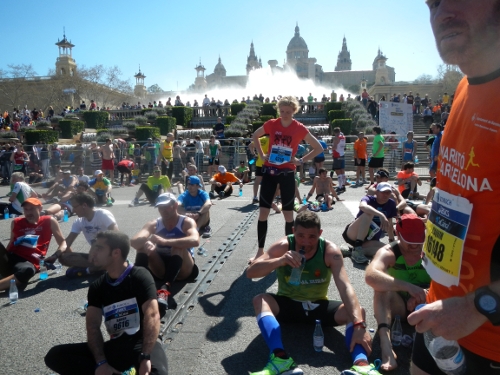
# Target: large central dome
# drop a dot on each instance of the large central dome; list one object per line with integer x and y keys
{"x": 297, "y": 42}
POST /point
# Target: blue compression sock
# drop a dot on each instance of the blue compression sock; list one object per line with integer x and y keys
{"x": 359, "y": 352}
{"x": 271, "y": 331}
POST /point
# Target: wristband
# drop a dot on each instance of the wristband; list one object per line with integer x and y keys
{"x": 101, "y": 363}
{"x": 360, "y": 323}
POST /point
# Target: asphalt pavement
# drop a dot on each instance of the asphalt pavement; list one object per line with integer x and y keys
{"x": 213, "y": 330}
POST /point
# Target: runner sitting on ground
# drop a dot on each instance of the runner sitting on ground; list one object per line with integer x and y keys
{"x": 165, "y": 246}
{"x": 62, "y": 189}
{"x": 195, "y": 203}
{"x": 373, "y": 219}
{"x": 399, "y": 281}
{"x": 102, "y": 189}
{"x": 20, "y": 261}
{"x": 90, "y": 221}
{"x": 408, "y": 181}
{"x": 57, "y": 209}
{"x": 222, "y": 183}
{"x": 307, "y": 301}
{"x": 153, "y": 188}
{"x": 324, "y": 189}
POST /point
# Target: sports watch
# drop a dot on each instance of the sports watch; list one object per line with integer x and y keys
{"x": 143, "y": 357}
{"x": 487, "y": 303}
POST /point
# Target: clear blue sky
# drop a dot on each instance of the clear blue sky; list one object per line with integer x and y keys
{"x": 167, "y": 38}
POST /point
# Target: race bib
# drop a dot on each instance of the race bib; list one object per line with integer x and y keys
{"x": 447, "y": 228}
{"x": 280, "y": 155}
{"x": 156, "y": 188}
{"x": 122, "y": 317}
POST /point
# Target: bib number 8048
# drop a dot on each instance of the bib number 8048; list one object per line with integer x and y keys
{"x": 435, "y": 248}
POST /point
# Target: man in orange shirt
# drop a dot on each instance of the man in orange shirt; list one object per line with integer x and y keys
{"x": 360, "y": 158}
{"x": 408, "y": 181}
{"x": 222, "y": 183}
{"x": 462, "y": 247}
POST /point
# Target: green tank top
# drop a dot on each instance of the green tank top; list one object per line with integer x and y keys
{"x": 213, "y": 149}
{"x": 416, "y": 274}
{"x": 315, "y": 278}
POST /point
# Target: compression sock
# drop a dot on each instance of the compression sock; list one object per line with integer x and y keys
{"x": 172, "y": 268}
{"x": 262, "y": 233}
{"x": 331, "y": 174}
{"x": 358, "y": 354}
{"x": 358, "y": 243}
{"x": 271, "y": 331}
{"x": 288, "y": 228}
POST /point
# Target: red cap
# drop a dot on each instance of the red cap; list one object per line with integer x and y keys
{"x": 33, "y": 201}
{"x": 411, "y": 229}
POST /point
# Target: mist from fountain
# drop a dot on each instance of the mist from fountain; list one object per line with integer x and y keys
{"x": 266, "y": 82}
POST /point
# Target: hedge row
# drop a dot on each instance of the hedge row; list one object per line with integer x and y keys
{"x": 229, "y": 119}
{"x": 237, "y": 108}
{"x": 166, "y": 124}
{"x": 41, "y": 136}
{"x": 345, "y": 126}
{"x": 95, "y": 119}
{"x": 265, "y": 118}
{"x": 333, "y": 106}
{"x": 183, "y": 115}
{"x": 336, "y": 114}
{"x": 257, "y": 124}
{"x": 69, "y": 128}
{"x": 142, "y": 133}
{"x": 269, "y": 109}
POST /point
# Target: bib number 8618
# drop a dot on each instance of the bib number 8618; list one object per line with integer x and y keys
{"x": 435, "y": 248}
{"x": 121, "y": 325}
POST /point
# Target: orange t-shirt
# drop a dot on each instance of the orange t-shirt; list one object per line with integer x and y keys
{"x": 360, "y": 147}
{"x": 225, "y": 178}
{"x": 404, "y": 175}
{"x": 467, "y": 167}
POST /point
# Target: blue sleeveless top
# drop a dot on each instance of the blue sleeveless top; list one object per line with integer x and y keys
{"x": 176, "y": 232}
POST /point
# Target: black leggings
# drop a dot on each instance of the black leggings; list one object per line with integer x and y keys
{"x": 287, "y": 190}
{"x": 150, "y": 194}
{"x": 121, "y": 353}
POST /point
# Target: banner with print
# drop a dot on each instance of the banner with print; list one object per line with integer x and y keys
{"x": 396, "y": 117}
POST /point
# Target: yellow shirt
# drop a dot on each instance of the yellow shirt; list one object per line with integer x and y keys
{"x": 166, "y": 150}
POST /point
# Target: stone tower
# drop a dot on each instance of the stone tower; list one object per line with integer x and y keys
{"x": 65, "y": 64}
{"x": 252, "y": 61}
{"x": 381, "y": 71}
{"x": 139, "y": 88}
{"x": 344, "y": 59}
{"x": 200, "y": 83}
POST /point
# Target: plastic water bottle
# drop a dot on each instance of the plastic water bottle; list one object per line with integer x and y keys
{"x": 447, "y": 354}
{"x": 416, "y": 159}
{"x": 6, "y": 213}
{"x": 304, "y": 199}
{"x": 43, "y": 271}
{"x": 396, "y": 332}
{"x": 57, "y": 266}
{"x": 13, "y": 293}
{"x": 241, "y": 192}
{"x": 318, "y": 337}
{"x": 297, "y": 272}
{"x": 66, "y": 216}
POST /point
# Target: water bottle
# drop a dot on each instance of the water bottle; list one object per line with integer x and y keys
{"x": 57, "y": 266}
{"x": 241, "y": 192}
{"x": 372, "y": 230}
{"x": 66, "y": 216}
{"x": 6, "y": 213}
{"x": 297, "y": 272}
{"x": 318, "y": 337}
{"x": 43, "y": 270}
{"x": 447, "y": 354}
{"x": 13, "y": 293}
{"x": 396, "y": 332}
{"x": 304, "y": 199}
{"x": 416, "y": 159}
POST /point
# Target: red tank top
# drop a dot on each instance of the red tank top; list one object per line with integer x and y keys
{"x": 19, "y": 158}
{"x": 41, "y": 229}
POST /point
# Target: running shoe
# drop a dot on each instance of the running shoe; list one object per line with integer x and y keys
{"x": 134, "y": 202}
{"x": 255, "y": 200}
{"x": 109, "y": 202}
{"x": 221, "y": 195}
{"x": 207, "y": 232}
{"x": 74, "y": 272}
{"x": 277, "y": 365}
{"x": 211, "y": 195}
{"x": 130, "y": 371}
{"x": 371, "y": 369}
{"x": 162, "y": 298}
{"x": 346, "y": 250}
{"x": 358, "y": 256}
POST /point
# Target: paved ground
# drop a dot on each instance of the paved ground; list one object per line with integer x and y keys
{"x": 213, "y": 330}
